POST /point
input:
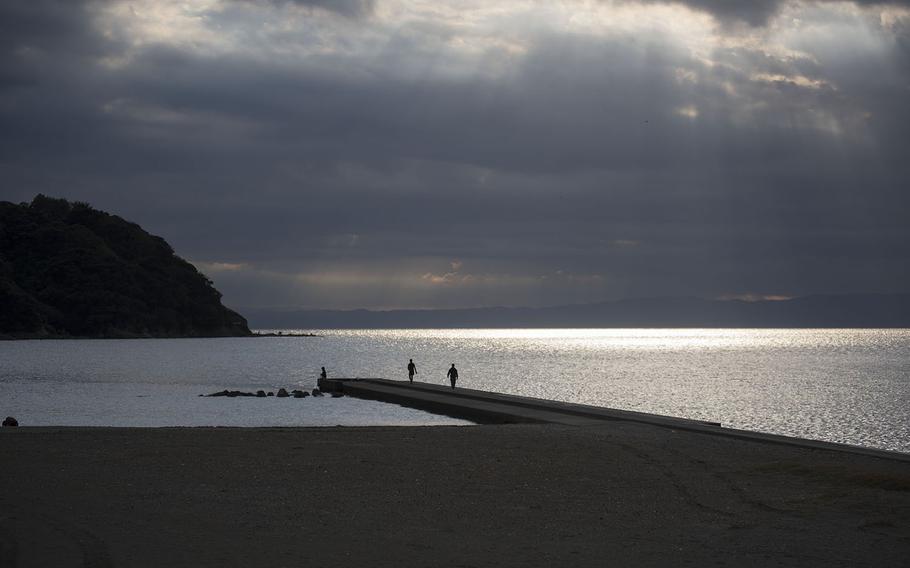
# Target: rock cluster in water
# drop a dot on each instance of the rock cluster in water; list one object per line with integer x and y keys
{"x": 282, "y": 393}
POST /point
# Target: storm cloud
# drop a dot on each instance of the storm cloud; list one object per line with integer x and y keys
{"x": 427, "y": 154}
{"x": 758, "y": 12}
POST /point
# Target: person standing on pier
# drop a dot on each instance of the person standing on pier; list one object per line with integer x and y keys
{"x": 323, "y": 374}
{"x": 453, "y": 375}
{"x": 412, "y": 370}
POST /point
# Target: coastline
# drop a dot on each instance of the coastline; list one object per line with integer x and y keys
{"x": 513, "y": 495}
{"x": 27, "y": 337}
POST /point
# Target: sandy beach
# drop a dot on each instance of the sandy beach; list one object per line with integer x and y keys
{"x": 508, "y": 495}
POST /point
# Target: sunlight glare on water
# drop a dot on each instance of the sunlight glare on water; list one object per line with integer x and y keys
{"x": 849, "y": 385}
{"x": 840, "y": 385}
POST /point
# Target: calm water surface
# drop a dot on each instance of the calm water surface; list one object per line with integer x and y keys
{"x": 848, "y": 386}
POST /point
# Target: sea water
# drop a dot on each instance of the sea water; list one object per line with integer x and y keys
{"x": 850, "y": 385}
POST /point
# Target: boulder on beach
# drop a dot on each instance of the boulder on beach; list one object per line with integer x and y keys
{"x": 270, "y": 394}
{"x": 10, "y": 422}
{"x": 336, "y": 394}
{"x": 260, "y": 394}
{"x": 301, "y": 394}
{"x": 317, "y": 392}
{"x": 282, "y": 393}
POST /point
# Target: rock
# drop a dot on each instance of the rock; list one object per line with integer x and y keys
{"x": 317, "y": 392}
{"x": 336, "y": 394}
{"x": 282, "y": 393}
{"x": 10, "y": 422}
{"x": 231, "y": 394}
{"x": 260, "y": 394}
{"x": 270, "y": 394}
{"x": 301, "y": 394}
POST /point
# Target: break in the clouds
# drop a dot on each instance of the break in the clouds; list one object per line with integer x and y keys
{"x": 424, "y": 154}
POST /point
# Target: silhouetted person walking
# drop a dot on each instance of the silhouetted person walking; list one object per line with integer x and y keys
{"x": 453, "y": 375}
{"x": 323, "y": 375}
{"x": 412, "y": 370}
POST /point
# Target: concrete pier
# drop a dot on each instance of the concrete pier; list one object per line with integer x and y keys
{"x": 490, "y": 407}
{"x": 498, "y": 408}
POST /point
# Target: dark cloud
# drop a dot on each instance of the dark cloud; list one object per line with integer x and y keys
{"x": 325, "y": 170}
{"x": 757, "y": 12}
{"x": 753, "y": 12}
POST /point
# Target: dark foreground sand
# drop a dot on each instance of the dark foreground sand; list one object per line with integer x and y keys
{"x": 525, "y": 495}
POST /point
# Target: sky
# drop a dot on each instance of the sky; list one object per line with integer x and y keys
{"x": 433, "y": 154}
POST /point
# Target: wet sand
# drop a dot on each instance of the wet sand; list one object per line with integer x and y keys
{"x": 512, "y": 495}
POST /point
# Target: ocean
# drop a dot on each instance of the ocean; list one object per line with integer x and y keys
{"x": 839, "y": 385}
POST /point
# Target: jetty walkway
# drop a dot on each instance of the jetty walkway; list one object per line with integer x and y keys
{"x": 490, "y": 407}
{"x": 497, "y": 408}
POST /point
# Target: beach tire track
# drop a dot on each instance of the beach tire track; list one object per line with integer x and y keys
{"x": 676, "y": 481}
{"x": 735, "y": 489}
{"x": 737, "y": 493}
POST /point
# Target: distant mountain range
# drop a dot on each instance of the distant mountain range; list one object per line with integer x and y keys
{"x": 825, "y": 311}
{"x": 68, "y": 270}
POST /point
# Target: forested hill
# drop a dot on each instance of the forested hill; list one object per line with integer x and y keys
{"x": 68, "y": 270}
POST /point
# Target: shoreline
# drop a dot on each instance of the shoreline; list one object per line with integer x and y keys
{"x": 134, "y": 337}
{"x": 512, "y": 495}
